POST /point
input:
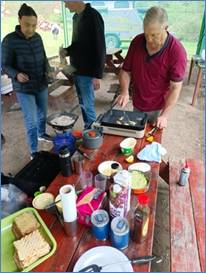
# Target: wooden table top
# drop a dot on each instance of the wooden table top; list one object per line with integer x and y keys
{"x": 69, "y": 248}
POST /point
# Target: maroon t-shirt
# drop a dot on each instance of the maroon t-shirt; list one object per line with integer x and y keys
{"x": 151, "y": 75}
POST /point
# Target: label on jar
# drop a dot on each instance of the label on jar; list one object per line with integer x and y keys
{"x": 145, "y": 227}
{"x": 118, "y": 201}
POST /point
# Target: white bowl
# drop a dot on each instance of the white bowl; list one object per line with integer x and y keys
{"x": 43, "y": 200}
{"x": 140, "y": 166}
{"x": 105, "y": 167}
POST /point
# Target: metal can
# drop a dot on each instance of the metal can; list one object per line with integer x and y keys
{"x": 120, "y": 232}
{"x": 100, "y": 224}
{"x": 184, "y": 176}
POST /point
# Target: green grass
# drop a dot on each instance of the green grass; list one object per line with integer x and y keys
{"x": 52, "y": 45}
{"x": 189, "y": 46}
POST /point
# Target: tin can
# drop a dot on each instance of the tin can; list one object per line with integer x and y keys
{"x": 120, "y": 232}
{"x": 100, "y": 224}
{"x": 184, "y": 176}
{"x": 118, "y": 201}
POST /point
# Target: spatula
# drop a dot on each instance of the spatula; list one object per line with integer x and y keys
{"x": 98, "y": 268}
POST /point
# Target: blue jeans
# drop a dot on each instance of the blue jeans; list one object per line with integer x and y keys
{"x": 85, "y": 93}
{"x": 34, "y": 108}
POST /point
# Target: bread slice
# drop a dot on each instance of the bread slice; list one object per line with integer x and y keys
{"x": 29, "y": 249}
{"x": 24, "y": 224}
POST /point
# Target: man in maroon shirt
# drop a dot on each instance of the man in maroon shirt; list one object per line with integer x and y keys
{"x": 155, "y": 63}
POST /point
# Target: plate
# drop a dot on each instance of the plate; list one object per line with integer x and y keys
{"x": 7, "y": 239}
{"x": 105, "y": 167}
{"x": 42, "y": 200}
{"x": 103, "y": 255}
{"x": 140, "y": 166}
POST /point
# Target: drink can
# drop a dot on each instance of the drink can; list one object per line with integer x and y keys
{"x": 120, "y": 232}
{"x": 184, "y": 176}
{"x": 100, "y": 224}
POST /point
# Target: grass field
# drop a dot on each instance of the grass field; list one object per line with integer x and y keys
{"x": 52, "y": 45}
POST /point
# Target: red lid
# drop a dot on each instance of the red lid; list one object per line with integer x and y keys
{"x": 77, "y": 133}
{"x": 143, "y": 199}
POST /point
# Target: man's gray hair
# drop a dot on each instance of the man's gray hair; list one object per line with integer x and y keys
{"x": 156, "y": 14}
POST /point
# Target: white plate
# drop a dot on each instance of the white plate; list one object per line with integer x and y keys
{"x": 103, "y": 255}
{"x": 140, "y": 166}
{"x": 106, "y": 166}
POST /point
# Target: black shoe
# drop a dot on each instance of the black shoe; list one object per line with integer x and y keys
{"x": 45, "y": 137}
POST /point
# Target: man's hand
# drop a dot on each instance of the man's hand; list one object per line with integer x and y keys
{"x": 22, "y": 77}
{"x": 96, "y": 83}
{"x": 122, "y": 100}
{"x": 161, "y": 122}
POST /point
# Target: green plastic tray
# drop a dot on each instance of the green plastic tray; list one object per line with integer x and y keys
{"x": 7, "y": 239}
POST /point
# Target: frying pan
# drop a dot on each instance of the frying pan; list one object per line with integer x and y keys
{"x": 59, "y": 114}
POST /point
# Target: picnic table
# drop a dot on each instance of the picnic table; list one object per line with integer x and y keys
{"x": 114, "y": 59}
{"x": 70, "y": 248}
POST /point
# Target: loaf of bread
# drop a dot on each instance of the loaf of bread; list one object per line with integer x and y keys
{"x": 24, "y": 224}
{"x": 29, "y": 249}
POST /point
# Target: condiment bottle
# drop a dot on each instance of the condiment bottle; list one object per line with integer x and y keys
{"x": 184, "y": 175}
{"x": 141, "y": 219}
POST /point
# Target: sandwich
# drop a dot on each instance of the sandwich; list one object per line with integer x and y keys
{"x": 29, "y": 249}
{"x": 24, "y": 224}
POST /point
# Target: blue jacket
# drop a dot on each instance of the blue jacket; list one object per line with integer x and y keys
{"x": 21, "y": 55}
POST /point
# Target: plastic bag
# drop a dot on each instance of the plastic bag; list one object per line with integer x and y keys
{"x": 12, "y": 199}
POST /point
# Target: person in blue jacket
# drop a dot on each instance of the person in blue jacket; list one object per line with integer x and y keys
{"x": 24, "y": 61}
{"x": 87, "y": 55}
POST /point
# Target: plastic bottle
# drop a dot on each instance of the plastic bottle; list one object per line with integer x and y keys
{"x": 184, "y": 175}
{"x": 141, "y": 219}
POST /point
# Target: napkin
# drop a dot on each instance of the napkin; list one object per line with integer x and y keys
{"x": 152, "y": 152}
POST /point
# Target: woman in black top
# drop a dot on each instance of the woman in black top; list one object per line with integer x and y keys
{"x": 25, "y": 62}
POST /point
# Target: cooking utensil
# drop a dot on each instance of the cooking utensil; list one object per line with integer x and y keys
{"x": 98, "y": 268}
{"x": 90, "y": 141}
{"x": 152, "y": 132}
{"x": 60, "y": 127}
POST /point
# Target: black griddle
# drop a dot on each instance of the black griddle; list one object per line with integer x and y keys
{"x": 129, "y": 120}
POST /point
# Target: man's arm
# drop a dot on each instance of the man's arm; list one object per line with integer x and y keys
{"x": 124, "y": 80}
{"x": 171, "y": 100}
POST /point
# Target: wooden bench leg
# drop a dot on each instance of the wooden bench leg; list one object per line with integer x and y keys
{"x": 197, "y": 85}
{"x": 164, "y": 171}
{"x": 190, "y": 70}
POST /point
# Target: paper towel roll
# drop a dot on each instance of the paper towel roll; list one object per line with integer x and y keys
{"x": 68, "y": 199}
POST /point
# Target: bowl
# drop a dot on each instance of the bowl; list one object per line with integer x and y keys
{"x": 127, "y": 145}
{"x": 106, "y": 169}
{"x": 140, "y": 166}
{"x": 43, "y": 200}
{"x": 140, "y": 182}
{"x": 92, "y": 139}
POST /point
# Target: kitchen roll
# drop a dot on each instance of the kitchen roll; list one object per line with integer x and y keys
{"x": 68, "y": 199}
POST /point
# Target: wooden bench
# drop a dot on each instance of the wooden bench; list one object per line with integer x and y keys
{"x": 113, "y": 57}
{"x": 187, "y": 218}
{"x": 197, "y": 61}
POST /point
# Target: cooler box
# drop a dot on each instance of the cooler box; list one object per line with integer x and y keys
{"x": 40, "y": 171}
